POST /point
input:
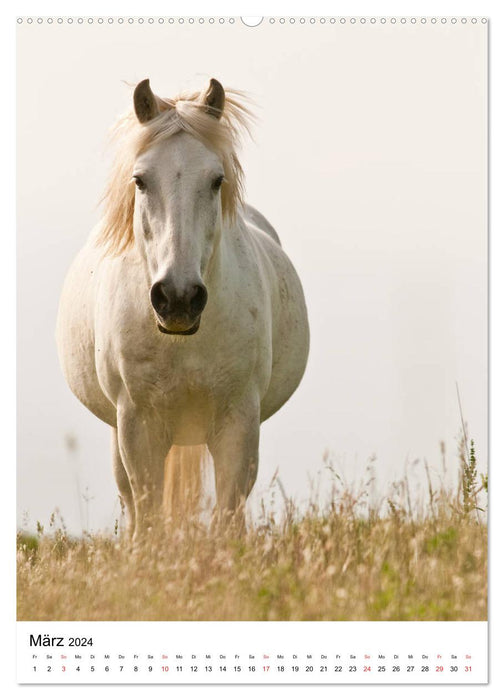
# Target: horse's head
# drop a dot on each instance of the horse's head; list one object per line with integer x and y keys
{"x": 177, "y": 215}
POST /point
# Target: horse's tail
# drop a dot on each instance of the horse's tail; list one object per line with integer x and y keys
{"x": 183, "y": 481}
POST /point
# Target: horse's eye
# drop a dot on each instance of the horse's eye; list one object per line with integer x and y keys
{"x": 216, "y": 184}
{"x": 139, "y": 182}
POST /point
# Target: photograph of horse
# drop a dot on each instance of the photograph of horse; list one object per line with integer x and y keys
{"x": 253, "y": 384}
{"x": 182, "y": 322}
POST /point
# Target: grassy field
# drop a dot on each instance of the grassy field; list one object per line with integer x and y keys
{"x": 347, "y": 561}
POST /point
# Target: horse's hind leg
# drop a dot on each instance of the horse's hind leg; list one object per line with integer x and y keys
{"x": 235, "y": 450}
{"x": 123, "y": 483}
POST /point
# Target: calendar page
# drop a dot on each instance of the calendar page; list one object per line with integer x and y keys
{"x": 252, "y": 349}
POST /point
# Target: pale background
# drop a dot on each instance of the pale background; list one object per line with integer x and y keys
{"x": 369, "y": 159}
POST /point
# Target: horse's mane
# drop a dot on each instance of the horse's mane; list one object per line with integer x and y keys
{"x": 182, "y": 113}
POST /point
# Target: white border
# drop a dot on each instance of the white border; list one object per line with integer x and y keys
{"x": 7, "y": 280}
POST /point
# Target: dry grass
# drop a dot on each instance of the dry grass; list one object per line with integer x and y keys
{"x": 348, "y": 561}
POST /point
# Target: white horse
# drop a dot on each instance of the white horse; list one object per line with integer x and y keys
{"x": 182, "y": 322}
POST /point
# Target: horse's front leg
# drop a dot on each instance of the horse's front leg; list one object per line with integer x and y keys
{"x": 143, "y": 445}
{"x": 123, "y": 483}
{"x": 234, "y": 447}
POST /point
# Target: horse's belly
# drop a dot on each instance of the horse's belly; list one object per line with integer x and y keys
{"x": 291, "y": 341}
{"x": 76, "y": 342}
{"x": 285, "y": 378}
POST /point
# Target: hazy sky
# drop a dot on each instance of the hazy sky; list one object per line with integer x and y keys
{"x": 369, "y": 159}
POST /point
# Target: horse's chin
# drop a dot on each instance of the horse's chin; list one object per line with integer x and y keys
{"x": 189, "y": 331}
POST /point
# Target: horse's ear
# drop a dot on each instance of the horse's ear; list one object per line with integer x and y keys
{"x": 213, "y": 97}
{"x": 145, "y": 101}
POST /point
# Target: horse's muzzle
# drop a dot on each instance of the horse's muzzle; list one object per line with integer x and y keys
{"x": 178, "y": 313}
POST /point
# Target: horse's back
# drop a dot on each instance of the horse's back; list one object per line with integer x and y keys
{"x": 253, "y": 216}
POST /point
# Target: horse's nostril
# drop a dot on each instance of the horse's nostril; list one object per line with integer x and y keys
{"x": 167, "y": 302}
{"x": 198, "y": 299}
{"x": 159, "y": 298}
